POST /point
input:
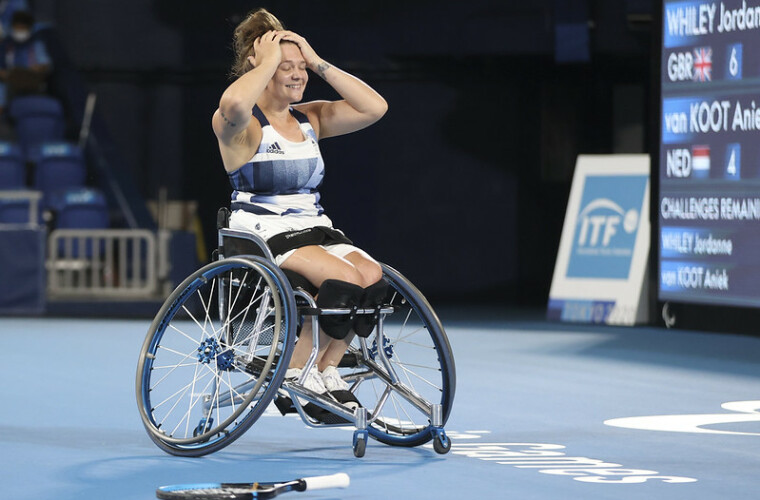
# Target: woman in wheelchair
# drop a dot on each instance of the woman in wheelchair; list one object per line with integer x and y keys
{"x": 268, "y": 143}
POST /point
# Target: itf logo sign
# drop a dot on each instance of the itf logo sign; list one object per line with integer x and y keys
{"x": 606, "y": 227}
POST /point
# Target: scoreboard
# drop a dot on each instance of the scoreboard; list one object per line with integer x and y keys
{"x": 709, "y": 155}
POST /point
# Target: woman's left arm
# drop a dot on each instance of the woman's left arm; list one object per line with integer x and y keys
{"x": 361, "y": 105}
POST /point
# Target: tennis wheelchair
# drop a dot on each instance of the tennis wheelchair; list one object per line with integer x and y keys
{"x": 215, "y": 357}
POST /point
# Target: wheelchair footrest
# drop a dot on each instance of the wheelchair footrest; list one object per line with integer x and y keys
{"x": 285, "y": 405}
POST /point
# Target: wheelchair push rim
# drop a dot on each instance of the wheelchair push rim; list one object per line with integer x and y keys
{"x": 215, "y": 355}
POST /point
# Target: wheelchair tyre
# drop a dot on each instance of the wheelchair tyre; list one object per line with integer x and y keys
{"x": 419, "y": 353}
{"x": 215, "y": 355}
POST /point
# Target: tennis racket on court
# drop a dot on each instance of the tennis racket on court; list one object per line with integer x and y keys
{"x": 249, "y": 491}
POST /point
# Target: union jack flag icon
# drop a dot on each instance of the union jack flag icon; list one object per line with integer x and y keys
{"x": 703, "y": 64}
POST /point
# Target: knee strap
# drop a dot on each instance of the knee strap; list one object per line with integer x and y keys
{"x": 373, "y": 297}
{"x": 337, "y": 294}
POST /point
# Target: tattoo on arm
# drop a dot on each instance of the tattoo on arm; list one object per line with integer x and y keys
{"x": 321, "y": 68}
{"x": 227, "y": 120}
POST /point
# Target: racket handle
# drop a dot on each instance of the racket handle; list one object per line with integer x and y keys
{"x": 340, "y": 480}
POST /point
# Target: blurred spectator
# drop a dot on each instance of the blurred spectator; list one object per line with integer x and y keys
{"x": 7, "y": 9}
{"x": 25, "y": 64}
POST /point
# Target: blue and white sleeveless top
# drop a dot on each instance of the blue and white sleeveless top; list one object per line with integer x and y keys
{"x": 283, "y": 177}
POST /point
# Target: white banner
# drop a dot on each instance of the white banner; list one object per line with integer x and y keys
{"x": 600, "y": 273}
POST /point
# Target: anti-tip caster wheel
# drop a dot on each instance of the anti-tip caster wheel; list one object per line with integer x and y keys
{"x": 441, "y": 442}
{"x": 360, "y": 443}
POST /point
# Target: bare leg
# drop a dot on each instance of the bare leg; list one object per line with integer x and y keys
{"x": 317, "y": 265}
{"x": 305, "y": 344}
{"x": 335, "y": 352}
{"x": 369, "y": 269}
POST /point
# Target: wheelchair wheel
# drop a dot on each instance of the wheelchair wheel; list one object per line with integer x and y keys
{"x": 419, "y": 354}
{"x": 215, "y": 355}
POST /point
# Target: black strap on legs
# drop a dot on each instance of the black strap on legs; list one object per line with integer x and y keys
{"x": 318, "y": 235}
{"x": 337, "y": 294}
{"x": 372, "y": 297}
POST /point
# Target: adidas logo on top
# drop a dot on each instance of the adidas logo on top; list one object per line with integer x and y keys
{"x": 275, "y": 148}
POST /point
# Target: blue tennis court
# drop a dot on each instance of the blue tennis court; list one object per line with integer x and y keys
{"x": 528, "y": 421}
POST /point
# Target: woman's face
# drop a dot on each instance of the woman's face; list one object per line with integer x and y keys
{"x": 289, "y": 81}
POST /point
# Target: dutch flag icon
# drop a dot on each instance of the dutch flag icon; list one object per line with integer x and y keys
{"x": 700, "y": 156}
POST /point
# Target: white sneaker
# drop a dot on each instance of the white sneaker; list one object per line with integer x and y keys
{"x": 332, "y": 380}
{"x": 313, "y": 381}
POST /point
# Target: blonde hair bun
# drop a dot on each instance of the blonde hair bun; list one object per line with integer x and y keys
{"x": 255, "y": 24}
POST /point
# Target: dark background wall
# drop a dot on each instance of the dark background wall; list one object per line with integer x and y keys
{"x": 462, "y": 185}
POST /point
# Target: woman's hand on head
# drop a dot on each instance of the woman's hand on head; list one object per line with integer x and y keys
{"x": 267, "y": 47}
{"x": 308, "y": 53}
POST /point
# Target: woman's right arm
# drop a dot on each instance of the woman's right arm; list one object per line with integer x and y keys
{"x": 236, "y": 131}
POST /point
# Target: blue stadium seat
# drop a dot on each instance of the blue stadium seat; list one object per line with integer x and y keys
{"x": 83, "y": 208}
{"x": 59, "y": 165}
{"x": 14, "y": 211}
{"x": 37, "y": 119}
{"x": 12, "y": 167}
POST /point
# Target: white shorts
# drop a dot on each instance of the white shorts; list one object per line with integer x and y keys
{"x": 267, "y": 226}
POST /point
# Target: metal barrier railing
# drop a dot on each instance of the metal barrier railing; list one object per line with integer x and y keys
{"x": 32, "y": 198}
{"x": 112, "y": 263}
